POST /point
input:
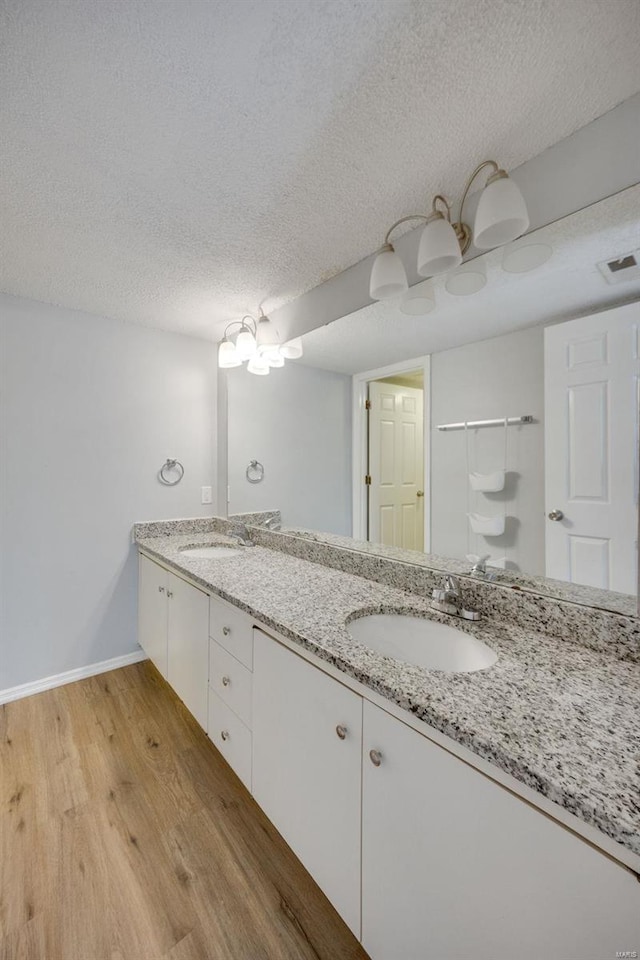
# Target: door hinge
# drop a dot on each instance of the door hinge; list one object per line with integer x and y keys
{"x": 367, "y": 480}
{"x": 367, "y": 404}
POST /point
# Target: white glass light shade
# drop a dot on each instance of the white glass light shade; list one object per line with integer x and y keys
{"x": 227, "y": 356}
{"x": 258, "y": 365}
{"x": 467, "y": 280}
{"x": 245, "y": 345}
{"x": 292, "y": 350}
{"x": 388, "y": 277}
{"x": 439, "y": 248}
{"x": 419, "y": 300}
{"x": 525, "y": 257}
{"x": 271, "y": 352}
{"x": 267, "y": 337}
{"x": 501, "y": 215}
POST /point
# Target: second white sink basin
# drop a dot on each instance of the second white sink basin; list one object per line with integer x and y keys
{"x": 210, "y": 553}
{"x": 424, "y": 643}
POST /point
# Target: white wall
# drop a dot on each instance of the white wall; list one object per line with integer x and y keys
{"x": 494, "y": 378}
{"x": 297, "y": 422}
{"x": 89, "y": 410}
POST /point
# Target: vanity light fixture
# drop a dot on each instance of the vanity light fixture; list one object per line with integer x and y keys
{"x": 501, "y": 216}
{"x": 258, "y": 343}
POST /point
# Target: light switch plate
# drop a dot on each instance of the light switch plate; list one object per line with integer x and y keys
{"x": 206, "y": 495}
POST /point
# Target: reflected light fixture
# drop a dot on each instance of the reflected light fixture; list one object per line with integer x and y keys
{"x": 418, "y": 300}
{"x": 467, "y": 279}
{"x": 257, "y": 343}
{"x": 501, "y": 217}
{"x": 525, "y": 256}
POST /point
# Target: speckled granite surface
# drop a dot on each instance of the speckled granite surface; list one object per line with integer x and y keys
{"x": 558, "y": 716}
{"x": 560, "y": 619}
{"x": 622, "y": 603}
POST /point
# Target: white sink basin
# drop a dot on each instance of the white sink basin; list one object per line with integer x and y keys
{"x": 210, "y": 553}
{"x": 424, "y": 643}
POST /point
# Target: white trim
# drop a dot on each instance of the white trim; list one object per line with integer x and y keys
{"x": 70, "y": 676}
{"x": 359, "y": 441}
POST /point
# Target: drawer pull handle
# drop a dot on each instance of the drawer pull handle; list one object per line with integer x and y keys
{"x": 376, "y": 757}
{"x": 226, "y": 681}
{"x": 160, "y": 589}
{"x": 226, "y": 631}
{"x": 169, "y": 593}
{"x": 224, "y": 734}
{"x": 341, "y": 731}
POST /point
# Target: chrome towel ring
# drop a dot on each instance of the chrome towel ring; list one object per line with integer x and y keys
{"x": 255, "y": 472}
{"x": 169, "y": 465}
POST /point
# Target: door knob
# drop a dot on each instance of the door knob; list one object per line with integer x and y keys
{"x": 224, "y": 734}
{"x": 556, "y": 515}
{"x": 226, "y": 631}
{"x": 420, "y": 493}
{"x": 226, "y": 681}
{"x": 341, "y": 731}
{"x": 376, "y": 757}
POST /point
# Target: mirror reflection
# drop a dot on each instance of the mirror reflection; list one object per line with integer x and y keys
{"x": 487, "y": 419}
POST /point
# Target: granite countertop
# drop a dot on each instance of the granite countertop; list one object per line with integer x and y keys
{"x": 557, "y": 716}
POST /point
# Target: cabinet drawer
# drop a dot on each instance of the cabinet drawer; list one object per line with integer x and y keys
{"x": 231, "y": 680}
{"x": 232, "y": 629}
{"x": 231, "y": 737}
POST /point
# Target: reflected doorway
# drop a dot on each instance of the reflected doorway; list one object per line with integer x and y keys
{"x": 391, "y": 500}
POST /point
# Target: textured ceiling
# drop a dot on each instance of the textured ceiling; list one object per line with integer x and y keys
{"x": 568, "y": 285}
{"x": 176, "y": 162}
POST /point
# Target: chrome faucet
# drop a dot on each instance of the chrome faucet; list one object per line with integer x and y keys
{"x": 448, "y": 599}
{"x": 273, "y": 523}
{"x": 241, "y": 534}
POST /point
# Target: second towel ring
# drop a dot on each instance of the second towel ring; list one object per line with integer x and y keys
{"x": 170, "y": 464}
{"x": 255, "y": 472}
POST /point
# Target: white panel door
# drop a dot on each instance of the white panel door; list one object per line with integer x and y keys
{"x": 188, "y": 646}
{"x": 307, "y": 742}
{"x": 152, "y": 612}
{"x": 592, "y": 371}
{"x": 396, "y": 466}
{"x": 454, "y": 867}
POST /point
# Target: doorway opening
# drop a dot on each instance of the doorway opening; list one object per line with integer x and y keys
{"x": 391, "y": 430}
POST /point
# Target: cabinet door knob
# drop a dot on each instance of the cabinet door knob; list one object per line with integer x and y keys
{"x": 341, "y": 731}
{"x": 556, "y": 515}
{"x": 376, "y": 757}
{"x": 224, "y": 734}
{"x": 169, "y": 594}
{"x": 226, "y": 681}
{"x": 160, "y": 589}
{"x": 226, "y": 631}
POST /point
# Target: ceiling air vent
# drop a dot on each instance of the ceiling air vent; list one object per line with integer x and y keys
{"x": 623, "y": 268}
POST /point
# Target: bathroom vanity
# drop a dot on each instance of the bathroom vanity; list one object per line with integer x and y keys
{"x": 445, "y": 815}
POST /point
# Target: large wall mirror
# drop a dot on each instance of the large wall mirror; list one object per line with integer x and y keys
{"x": 489, "y": 418}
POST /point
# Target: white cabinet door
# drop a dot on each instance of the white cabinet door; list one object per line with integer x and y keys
{"x": 152, "y": 613}
{"x": 188, "y": 645}
{"x": 592, "y": 371}
{"x": 306, "y": 777}
{"x": 454, "y": 867}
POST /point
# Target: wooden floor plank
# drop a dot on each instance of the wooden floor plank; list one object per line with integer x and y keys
{"x": 124, "y": 835}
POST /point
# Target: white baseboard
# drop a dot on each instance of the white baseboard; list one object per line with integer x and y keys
{"x": 70, "y": 676}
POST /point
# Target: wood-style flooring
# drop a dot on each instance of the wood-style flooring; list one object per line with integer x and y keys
{"x": 125, "y": 836}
